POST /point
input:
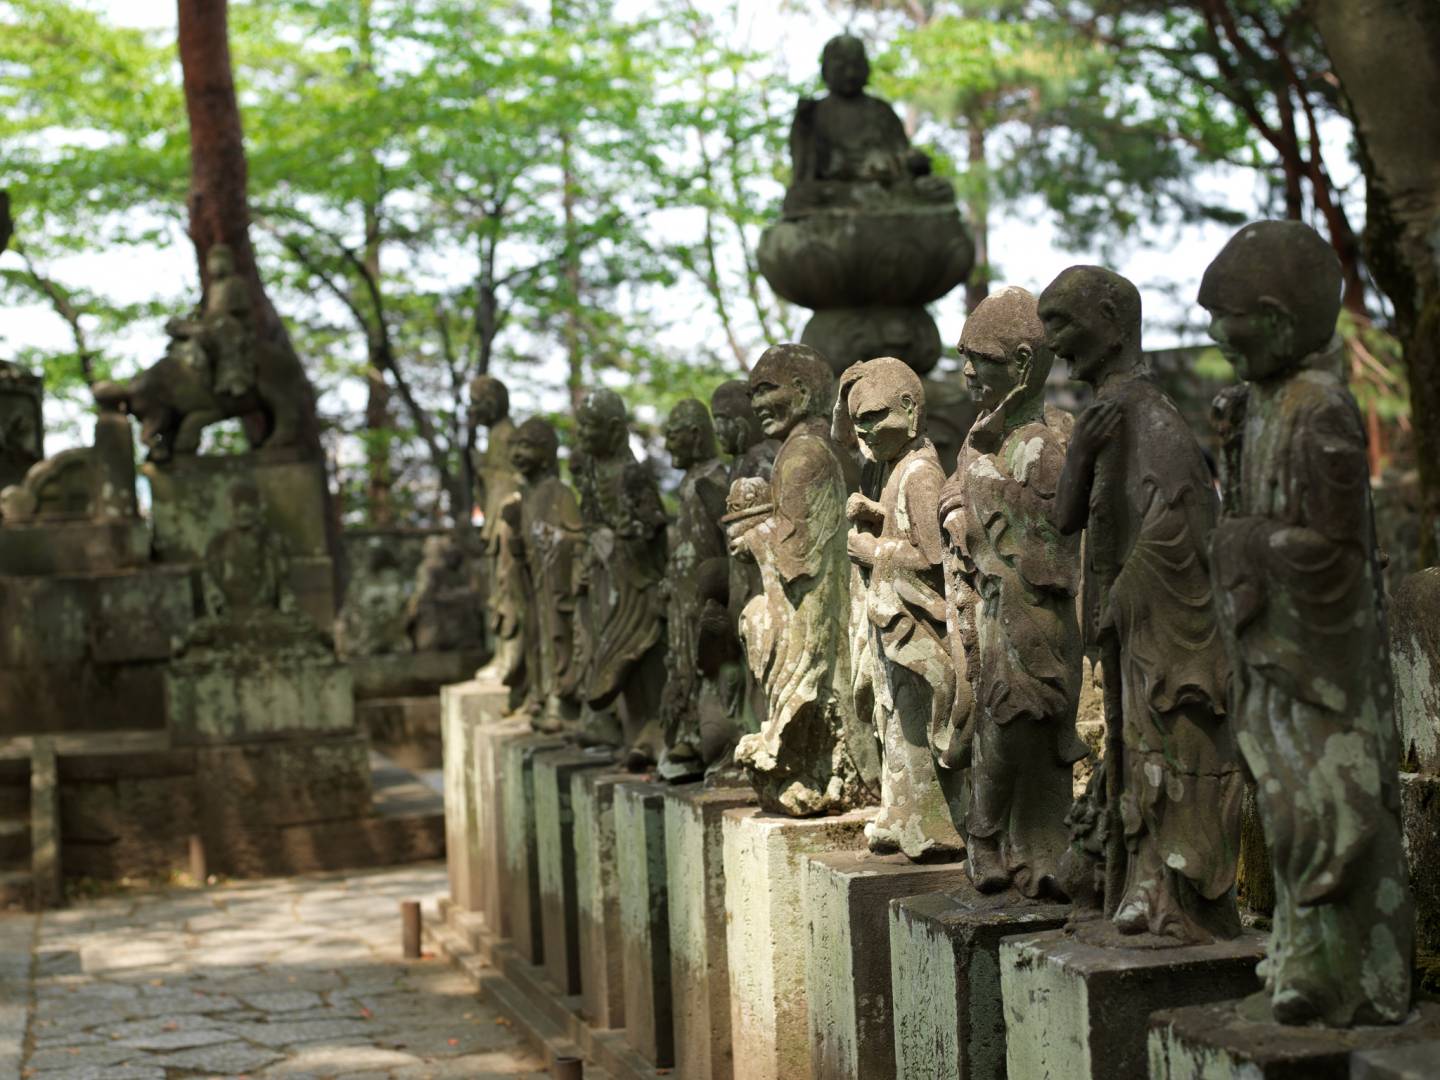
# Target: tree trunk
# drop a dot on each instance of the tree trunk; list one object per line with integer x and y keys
{"x": 7, "y": 226}
{"x": 219, "y": 212}
{"x": 1386, "y": 54}
{"x": 978, "y": 287}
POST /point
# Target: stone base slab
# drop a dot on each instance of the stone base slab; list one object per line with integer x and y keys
{"x": 391, "y": 675}
{"x": 225, "y": 696}
{"x": 699, "y": 962}
{"x": 847, "y": 958}
{"x": 522, "y": 863}
{"x": 644, "y": 920}
{"x": 945, "y": 975}
{"x": 1237, "y": 1038}
{"x": 597, "y": 874}
{"x": 471, "y": 833}
{"x": 767, "y": 933}
{"x": 1082, "y": 1011}
{"x": 1417, "y": 1061}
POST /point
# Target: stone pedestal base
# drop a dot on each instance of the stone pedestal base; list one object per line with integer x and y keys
{"x": 699, "y": 967}
{"x": 644, "y": 920}
{"x": 1237, "y": 1038}
{"x": 407, "y": 674}
{"x": 469, "y": 830}
{"x": 1413, "y": 1062}
{"x": 1082, "y": 1011}
{"x": 847, "y": 958}
{"x": 945, "y": 975}
{"x": 522, "y": 863}
{"x": 220, "y": 696}
{"x": 597, "y": 882}
{"x": 555, "y": 849}
{"x": 767, "y": 934}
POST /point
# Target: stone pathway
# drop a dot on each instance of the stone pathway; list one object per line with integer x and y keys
{"x": 295, "y": 977}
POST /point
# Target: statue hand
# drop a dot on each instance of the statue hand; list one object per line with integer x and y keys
{"x": 861, "y": 547}
{"x": 861, "y": 510}
{"x": 1096, "y": 424}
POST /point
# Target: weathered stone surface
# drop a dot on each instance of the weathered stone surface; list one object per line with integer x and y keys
{"x": 1415, "y": 654}
{"x": 1241, "y": 1039}
{"x": 214, "y": 699}
{"x": 555, "y": 850}
{"x": 470, "y": 830}
{"x": 497, "y": 483}
{"x": 1300, "y": 599}
{"x": 597, "y": 879}
{"x": 400, "y": 675}
{"x": 945, "y": 977}
{"x": 645, "y": 920}
{"x": 699, "y": 924}
{"x": 1420, "y": 820}
{"x": 1082, "y": 1011}
{"x": 847, "y": 957}
{"x": 379, "y": 575}
{"x": 404, "y": 729}
{"x": 442, "y": 614}
{"x": 522, "y": 864}
{"x": 490, "y": 741}
{"x": 285, "y": 782}
{"x": 767, "y": 933}
{"x": 1413, "y": 1062}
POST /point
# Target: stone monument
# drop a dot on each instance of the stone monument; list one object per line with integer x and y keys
{"x": 496, "y": 483}
{"x": 811, "y": 754}
{"x": 441, "y": 614}
{"x": 22, "y": 425}
{"x": 1135, "y": 480}
{"x": 621, "y": 603}
{"x": 698, "y": 557}
{"x": 1013, "y": 595}
{"x": 548, "y": 530}
{"x": 1302, "y": 613}
{"x": 894, "y": 540}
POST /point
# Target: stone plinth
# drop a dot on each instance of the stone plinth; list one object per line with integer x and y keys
{"x": 699, "y": 964}
{"x": 221, "y": 695}
{"x": 602, "y": 965}
{"x": 767, "y": 935}
{"x": 522, "y": 864}
{"x": 1237, "y": 1039}
{"x": 1082, "y": 1011}
{"x": 403, "y": 674}
{"x": 489, "y": 751}
{"x": 945, "y": 975}
{"x": 470, "y": 832}
{"x": 192, "y": 500}
{"x": 644, "y": 920}
{"x": 555, "y": 849}
{"x": 847, "y": 959}
{"x": 1413, "y": 1062}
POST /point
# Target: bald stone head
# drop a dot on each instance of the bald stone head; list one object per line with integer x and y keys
{"x": 844, "y": 66}
{"x": 489, "y": 401}
{"x": 882, "y": 405}
{"x": 689, "y": 434}
{"x": 788, "y": 384}
{"x": 1003, "y": 348}
{"x": 1273, "y": 294}
{"x": 736, "y": 427}
{"x": 601, "y": 423}
{"x": 1092, "y": 321}
{"x": 535, "y": 448}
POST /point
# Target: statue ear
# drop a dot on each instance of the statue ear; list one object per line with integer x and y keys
{"x": 1024, "y": 356}
{"x": 804, "y": 392}
{"x": 911, "y": 414}
{"x": 1108, "y": 309}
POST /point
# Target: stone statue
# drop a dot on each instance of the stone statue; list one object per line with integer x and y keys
{"x": 213, "y": 368}
{"x": 811, "y": 755}
{"x": 1012, "y": 589}
{"x": 545, "y": 522}
{"x": 742, "y": 696}
{"x": 1136, "y": 481}
{"x": 496, "y": 484}
{"x": 621, "y": 603}
{"x": 372, "y": 621}
{"x": 441, "y": 614}
{"x": 696, "y": 538}
{"x": 868, "y": 235}
{"x": 22, "y": 424}
{"x": 1302, "y": 611}
{"x": 895, "y": 541}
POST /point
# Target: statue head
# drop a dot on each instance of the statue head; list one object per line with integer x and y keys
{"x": 601, "y": 425}
{"x": 882, "y": 405}
{"x": 788, "y": 384}
{"x": 1273, "y": 294}
{"x": 245, "y": 506}
{"x": 534, "y": 448}
{"x": 736, "y": 427}
{"x": 689, "y": 434}
{"x": 489, "y": 401}
{"x": 219, "y": 261}
{"x": 844, "y": 66}
{"x": 1092, "y": 320}
{"x": 1003, "y": 348}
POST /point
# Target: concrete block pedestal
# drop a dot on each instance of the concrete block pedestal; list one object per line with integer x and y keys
{"x": 847, "y": 958}
{"x": 945, "y": 976}
{"x": 522, "y": 862}
{"x": 556, "y": 851}
{"x": 464, "y": 707}
{"x": 1237, "y": 1038}
{"x": 644, "y": 920}
{"x": 1082, "y": 1011}
{"x": 699, "y": 965}
{"x": 767, "y": 933}
{"x": 597, "y": 879}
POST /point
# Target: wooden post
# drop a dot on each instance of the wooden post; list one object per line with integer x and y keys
{"x": 45, "y": 824}
{"x": 410, "y": 928}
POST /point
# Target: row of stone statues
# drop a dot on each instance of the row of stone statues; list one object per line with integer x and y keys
{"x": 835, "y": 618}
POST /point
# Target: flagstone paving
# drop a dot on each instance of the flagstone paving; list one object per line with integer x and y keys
{"x": 296, "y": 977}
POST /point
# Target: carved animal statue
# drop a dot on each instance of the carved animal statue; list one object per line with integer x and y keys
{"x": 174, "y": 400}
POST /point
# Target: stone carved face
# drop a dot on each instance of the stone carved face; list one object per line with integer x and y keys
{"x": 689, "y": 435}
{"x": 735, "y": 424}
{"x": 600, "y": 423}
{"x": 1090, "y": 314}
{"x": 788, "y": 384}
{"x": 534, "y": 448}
{"x": 489, "y": 401}
{"x": 844, "y": 67}
{"x": 1003, "y": 347}
{"x": 885, "y": 413}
